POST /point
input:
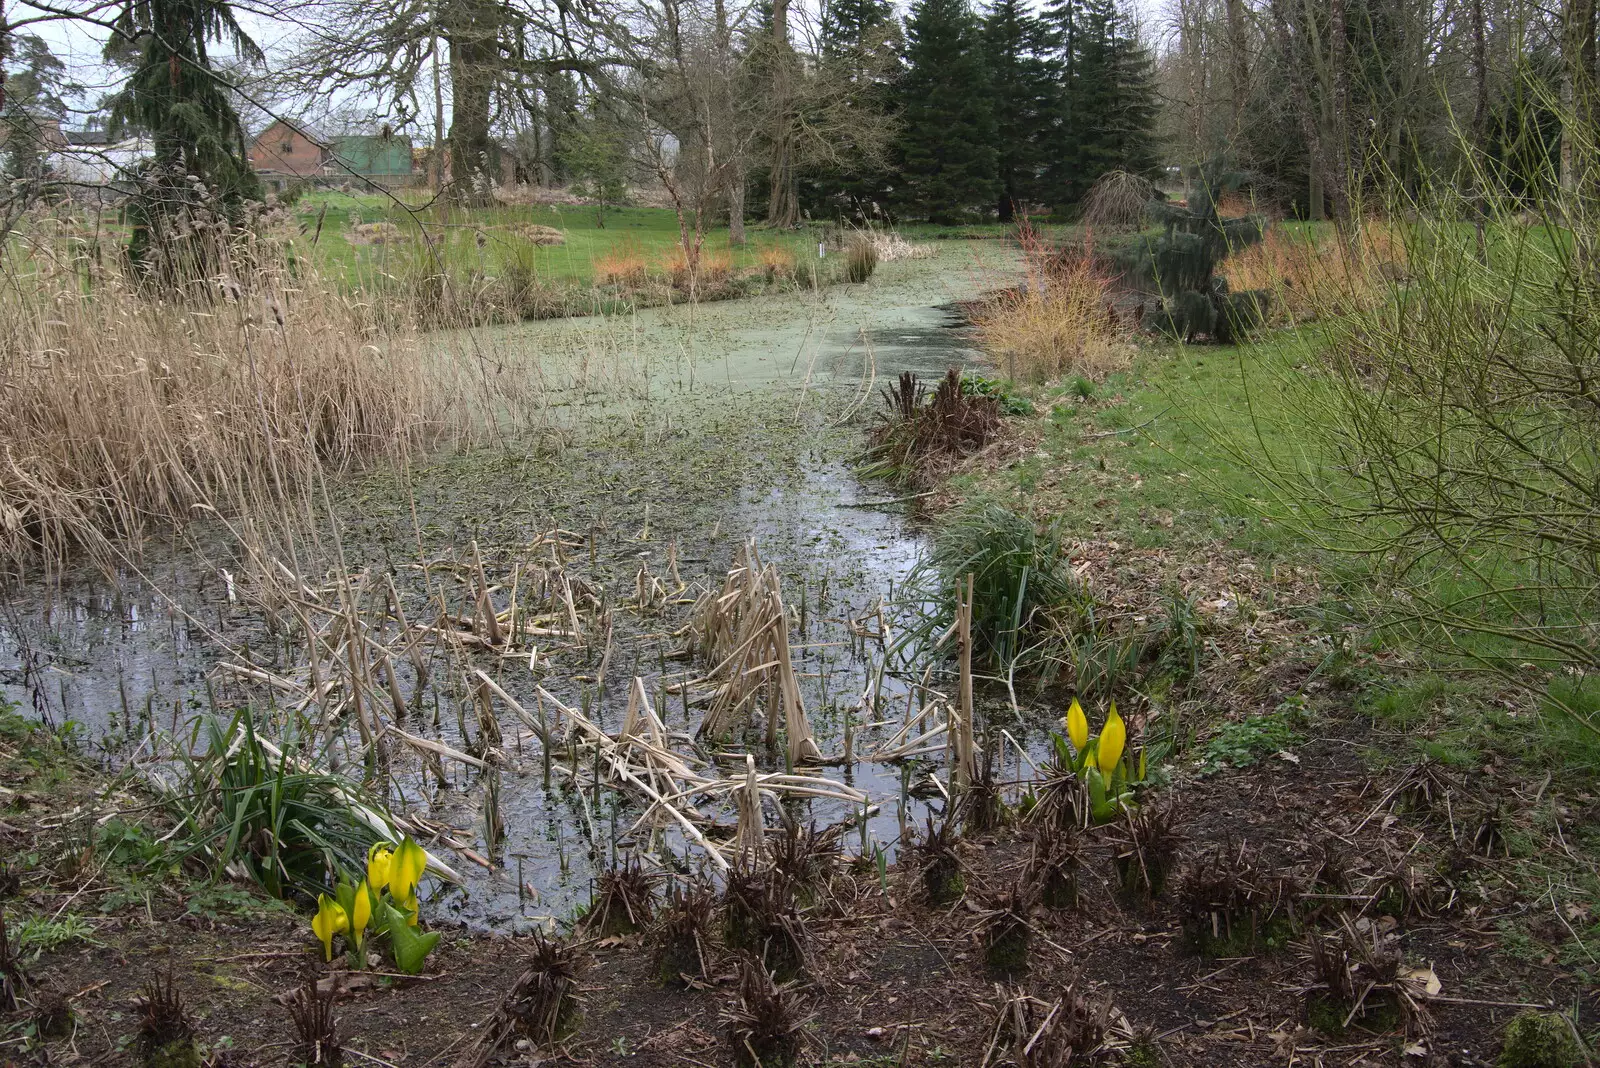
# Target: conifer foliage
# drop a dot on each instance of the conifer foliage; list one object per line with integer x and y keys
{"x": 1032, "y": 109}
{"x": 947, "y": 152}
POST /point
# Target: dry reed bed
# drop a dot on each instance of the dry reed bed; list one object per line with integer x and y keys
{"x": 365, "y": 667}
{"x": 125, "y": 410}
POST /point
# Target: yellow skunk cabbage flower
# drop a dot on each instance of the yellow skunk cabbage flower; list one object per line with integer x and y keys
{"x": 1077, "y": 726}
{"x": 330, "y": 920}
{"x": 1112, "y": 738}
{"x": 405, "y": 872}
{"x": 360, "y": 915}
{"x": 380, "y": 861}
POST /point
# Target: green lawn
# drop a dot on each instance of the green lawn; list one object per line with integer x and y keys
{"x": 486, "y": 239}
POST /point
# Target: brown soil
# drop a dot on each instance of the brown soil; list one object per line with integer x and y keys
{"x": 891, "y": 980}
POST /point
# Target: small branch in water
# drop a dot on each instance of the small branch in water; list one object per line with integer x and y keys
{"x": 890, "y": 500}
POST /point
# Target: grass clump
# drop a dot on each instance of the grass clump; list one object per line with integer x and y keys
{"x": 937, "y": 864}
{"x": 918, "y": 438}
{"x": 316, "y": 1028}
{"x": 1540, "y": 1040}
{"x": 543, "y": 1003}
{"x": 1006, "y": 935}
{"x": 286, "y": 826}
{"x": 1232, "y": 905}
{"x": 1072, "y": 1030}
{"x": 166, "y": 1037}
{"x": 624, "y": 901}
{"x": 682, "y": 933}
{"x": 861, "y": 258}
{"x": 1024, "y": 597}
{"x": 1149, "y": 849}
{"x": 760, "y": 917}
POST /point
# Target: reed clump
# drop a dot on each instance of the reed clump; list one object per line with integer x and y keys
{"x": 129, "y": 407}
{"x": 316, "y": 1028}
{"x": 766, "y": 1025}
{"x": 624, "y": 901}
{"x": 166, "y": 1037}
{"x": 683, "y": 934}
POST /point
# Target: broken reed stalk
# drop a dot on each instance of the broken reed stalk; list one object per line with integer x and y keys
{"x": 963, "y": 761}
{"x": 744, "y": 633}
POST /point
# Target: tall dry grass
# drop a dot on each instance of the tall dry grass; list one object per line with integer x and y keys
{"x": 1312, "y": 275}
{"x": 1061, "y": 321}
{"x": 126, "y": 410}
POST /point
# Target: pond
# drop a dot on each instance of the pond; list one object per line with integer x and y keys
{"x": 668, "y": 440}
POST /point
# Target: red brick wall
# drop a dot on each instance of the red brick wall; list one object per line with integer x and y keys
{"x": 282, "y": 148}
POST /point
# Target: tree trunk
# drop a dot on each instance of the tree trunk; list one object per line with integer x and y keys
{"x": 472, "y": 31}
{"x": 1581, "y": 94}
{"x": 783, "y": 201}
{"x": 1314, "y": 195}
{"x": 1338, "y": 153}
{"x": 1240, "y": 89}
{"x": 736, "y": 185}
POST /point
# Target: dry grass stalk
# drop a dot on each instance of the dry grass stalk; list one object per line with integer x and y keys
{"x": 743, "y": 633}
{"x": 1061, "y": 321}
{"x": 10, "y": 970}
{"x": 963, "y": 747}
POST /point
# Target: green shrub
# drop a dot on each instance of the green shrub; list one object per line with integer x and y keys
{"x": 1540, "y": 1040}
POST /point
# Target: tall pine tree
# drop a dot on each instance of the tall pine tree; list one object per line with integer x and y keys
{"x": 947, "y": 137}
{"x": 1106, "y": 102}
{"x": 1022, "y": 77}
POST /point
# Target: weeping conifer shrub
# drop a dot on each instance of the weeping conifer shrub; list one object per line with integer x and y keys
{"x": 1179, "y": 265}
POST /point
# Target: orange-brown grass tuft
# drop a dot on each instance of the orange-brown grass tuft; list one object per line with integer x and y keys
{"x": 715, "y": 266}
{"x": 1060, "y": 322}
{"x": 620, "y": 267}
{"x": 1311, "y": 276}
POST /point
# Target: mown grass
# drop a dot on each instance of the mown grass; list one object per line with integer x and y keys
{"x": 484, "y": 238}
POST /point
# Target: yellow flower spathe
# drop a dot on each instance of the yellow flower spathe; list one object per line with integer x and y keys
{"x": 330, "y": 920}
{"x": 405, "y": 872}
{"x": 1077, "y": 726}
{"x": 1112, "y": 738}
{"x": 361, "y": 914}
{"x": 380, "y": 862}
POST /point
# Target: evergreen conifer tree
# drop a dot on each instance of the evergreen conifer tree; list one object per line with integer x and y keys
{"x": 1106, "y": 104}
{"x": 859, "y": 41}
{"x": 1017, "y": 47}
{"x": 176, "y": 94}
{"x": 947, "y": 138}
